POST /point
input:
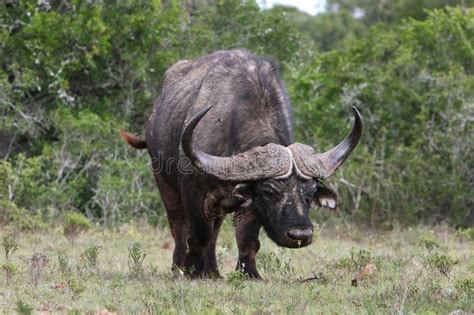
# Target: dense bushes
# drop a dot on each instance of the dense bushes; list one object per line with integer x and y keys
{"x": 415, "y": 88}
{"x": 74, "y": 73}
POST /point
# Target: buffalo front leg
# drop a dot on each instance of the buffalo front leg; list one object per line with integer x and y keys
{"x": 200, "y": 231}
{"x": 211, "y": 269}
{"x": 247, "y": 229}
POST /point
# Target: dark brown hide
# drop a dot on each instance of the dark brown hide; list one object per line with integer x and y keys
{"x": 221, "y": 140}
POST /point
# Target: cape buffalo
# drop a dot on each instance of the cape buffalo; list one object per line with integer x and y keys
{"x": 221, "y": 140}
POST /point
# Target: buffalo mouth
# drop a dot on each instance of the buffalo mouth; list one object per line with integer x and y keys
{"x": 293, "y": 237}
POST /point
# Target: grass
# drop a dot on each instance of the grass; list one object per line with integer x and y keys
{"x": 350, "y": 270}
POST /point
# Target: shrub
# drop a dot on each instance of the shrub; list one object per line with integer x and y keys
{"x": 10, "y": 246}
{"x": 74, "y": 224}
{"x": 63, "y": 262}
{"x": 467, "y": 233}
{"x": 442, "y": 263}
{"x": 135, "y": 260}
{"x": 73, "y": 75}
{"x": 24, "y": 308}
{"x": 37, "y": 263}
{"x": 466, "y": 285}
{"x": 414, "y": 87}
{"x": 357, "y": 261}
{"x": 77, "y": 287}
{"x": 10, "y": 270}
{"x": 276, "y": 264}
{"x": 236, "y": 278}
{"x": 429, "y": 242}
{"x": 90, "y": 256}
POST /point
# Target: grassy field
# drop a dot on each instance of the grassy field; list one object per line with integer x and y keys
{"x": 126, "y": 271}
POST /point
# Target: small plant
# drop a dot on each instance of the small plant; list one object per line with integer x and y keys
{"x": 23, "y": 308}
{"x": 443, "y": 263}
{"x": 358, "y": 259}
{"x": 10, "y": 270}
{"x": 361, "y": 258}
{"x": 236, "y": 278}
{"x": 276, "y": 264}
{"x": 466, "y": 285}
{"x": 113, "y": 308}
{"x": 465, "y": 234}
{"x": 135, "y": 260}
{"x": 74, "y": 224}
{"x": 149, "y": 300}
{"x": 429, "y": 242}
{"x": 90, "y": 256}
{"x": 63, "y": 262}
{"x": 37, "y": 263}
{"x": 10, "y": 246}
{"x": 77, "y": 287}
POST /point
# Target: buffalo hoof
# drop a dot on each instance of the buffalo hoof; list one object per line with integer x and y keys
{"x": 251, "y": 274}
{"x": 212, "y": 274}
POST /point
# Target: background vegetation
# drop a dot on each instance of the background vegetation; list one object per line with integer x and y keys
{"x": 75, "y": 72}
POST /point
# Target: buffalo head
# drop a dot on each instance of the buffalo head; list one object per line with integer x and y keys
{"x": 279, "y": 183}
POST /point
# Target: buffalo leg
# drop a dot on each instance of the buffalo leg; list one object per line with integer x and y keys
{"x": 176, "y": 220}
{"x": 210, "y": 265}
{"x": 179, "y": 232}
{"x": 200, "y": 232}
{"x": 247, "y": 228}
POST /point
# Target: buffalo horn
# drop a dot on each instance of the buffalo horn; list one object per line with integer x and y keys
{"x": 323, "y": 165}
{"x": 271, "y": 160}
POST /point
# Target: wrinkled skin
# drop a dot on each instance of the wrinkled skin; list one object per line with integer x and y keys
{"x": 250, "y": 107}
{"x": 283, "y": 204}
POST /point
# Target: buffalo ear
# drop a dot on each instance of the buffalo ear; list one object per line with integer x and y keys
{"x": 325, "y": 197}
{"x": 241, "y": 197}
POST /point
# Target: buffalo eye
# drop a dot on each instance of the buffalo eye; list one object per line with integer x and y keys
{"x": 269, "y": 193}
{"x": 309, "y": 193}
{"x": 308, "y": 197}
{"x": 239, "y": 199}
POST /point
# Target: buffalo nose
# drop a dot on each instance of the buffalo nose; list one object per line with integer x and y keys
{"x": 304, "y": 234}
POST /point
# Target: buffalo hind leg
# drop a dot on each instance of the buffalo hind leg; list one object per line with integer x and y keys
{"x": 179, "y": 232}
{"x": 176, "y": 220}
{"x": 247, "y": 228}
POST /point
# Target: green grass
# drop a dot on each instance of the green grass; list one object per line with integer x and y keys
{"x": 417, "y": 270}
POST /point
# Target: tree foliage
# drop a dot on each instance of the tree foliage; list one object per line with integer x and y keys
{"x": 344, "y": 20}
{"x": 75, "y": 72}
{"x": 414, "y": 86}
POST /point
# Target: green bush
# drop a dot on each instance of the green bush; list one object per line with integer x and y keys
{"x": 136, "y": 256}
{"x": 442, "y": 263}
{"x": 414, "y": 86}
{"x": 74, "y": 73}
{"x": 23, "y": 308}
{"x": 74, "y": 224}
{"x": 10, "y": 246}
{"x": 77, "y": 287}
{"x": 10, "y": 269}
